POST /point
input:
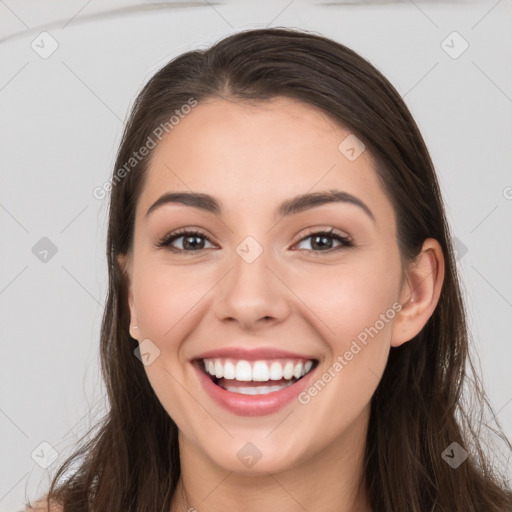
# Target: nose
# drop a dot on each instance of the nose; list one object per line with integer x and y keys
{"x": 252, "y": 295}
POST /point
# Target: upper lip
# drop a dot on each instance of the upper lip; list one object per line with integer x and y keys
{"x": 254, "y": 354}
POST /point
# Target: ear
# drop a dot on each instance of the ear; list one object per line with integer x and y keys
{"x": 420, "y": 292}
{"x": 124, "y": 262}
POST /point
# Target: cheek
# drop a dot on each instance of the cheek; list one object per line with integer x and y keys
{"x": 354, "y": 308}
{"x": 351, "y": 300}
{"x": 166, "y": 299}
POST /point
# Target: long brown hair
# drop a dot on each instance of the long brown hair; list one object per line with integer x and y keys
{"x": 132, "y": 462}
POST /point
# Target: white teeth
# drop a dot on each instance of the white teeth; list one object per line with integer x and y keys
{"x": 243, "y": 371}
{"x": 276, "y": 371}
{"x": 229, "y": 370}
{"x": 257, "y": 371}
{"x": 260, "y": 371}
{"x": 256, "y": 390}
{"x": 297, "y": 371}
{"x": 219, "y": 370}
{"x": 288, "y": 371}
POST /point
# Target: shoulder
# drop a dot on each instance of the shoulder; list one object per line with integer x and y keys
{"x": 42, "y": 506}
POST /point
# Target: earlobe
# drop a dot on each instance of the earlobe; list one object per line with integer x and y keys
{"x": 123, "y": 264}
{"x": 134, "y": 333}
{"x": 421, "y": 292}
{"x": 122, "y": 261}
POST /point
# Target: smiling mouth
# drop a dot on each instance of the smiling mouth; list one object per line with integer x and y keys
{"x": 255, "y": 377}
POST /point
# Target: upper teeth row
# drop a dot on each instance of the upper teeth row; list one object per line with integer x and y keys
{"x": 260, "y": 371}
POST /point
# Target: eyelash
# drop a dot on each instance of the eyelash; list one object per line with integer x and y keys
{"x": 345, "y": 241}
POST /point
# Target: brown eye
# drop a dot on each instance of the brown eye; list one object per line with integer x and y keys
{"x": 191, "y": 241}
{"x": 322, "y": 241}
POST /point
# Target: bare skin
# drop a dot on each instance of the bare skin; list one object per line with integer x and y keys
{"x": 296, "y": 296}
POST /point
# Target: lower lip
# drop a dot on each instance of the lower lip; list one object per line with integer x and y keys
{"x": 252, "y": 405}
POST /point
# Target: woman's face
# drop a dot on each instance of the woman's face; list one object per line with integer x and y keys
{"x": 256, "y": 291}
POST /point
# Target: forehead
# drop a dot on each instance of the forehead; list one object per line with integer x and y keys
{"x": 259, "y": 153}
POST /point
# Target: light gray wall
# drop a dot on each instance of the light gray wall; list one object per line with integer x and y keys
{"x": 61, "y": 121}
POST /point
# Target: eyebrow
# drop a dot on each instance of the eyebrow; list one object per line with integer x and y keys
{"x": 289, "y": 207}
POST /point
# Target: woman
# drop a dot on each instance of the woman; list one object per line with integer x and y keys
{"x": 284, "y": 328}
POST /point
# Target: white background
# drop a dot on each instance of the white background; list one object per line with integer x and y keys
{"x": 61, "y": 122}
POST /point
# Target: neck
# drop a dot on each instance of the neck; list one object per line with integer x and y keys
{"x": 330, "y": 480}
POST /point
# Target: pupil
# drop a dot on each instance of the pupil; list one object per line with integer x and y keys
{"x": 192, "y": 246}
{"x": 324, "y": 241}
